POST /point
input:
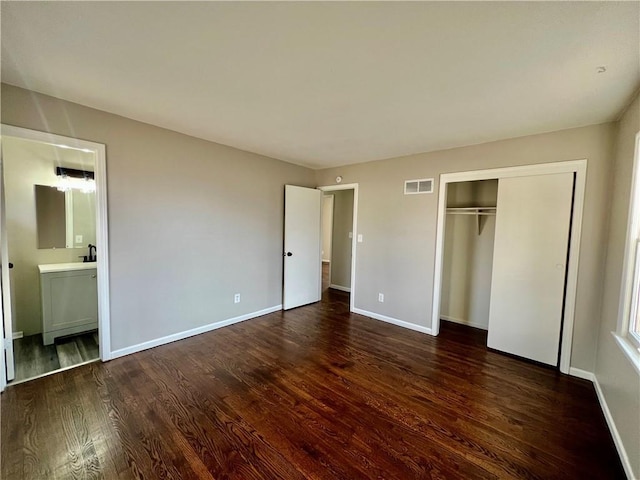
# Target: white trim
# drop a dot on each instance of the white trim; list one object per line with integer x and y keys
{"x": 354, "y": 243}
{"x": 17, "y": 335}
{"x": 102, "y": 229}
{"x": 633, "y": 227}
{"x": 340, "y": 287}
{"x": 579, "y": 167}
{"x": 629, "y": 349}
{"x": 190, "y": 333}
{"x": 622, "y": 453}
{"x": 394, "y": 321}
{"x": 464, "y": 322}
{"x": 578, "y": 372}
{"x": 617, "y": 440}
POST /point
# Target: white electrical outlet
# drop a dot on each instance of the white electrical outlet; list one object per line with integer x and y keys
{"x": 78, "y": 238}
{"x": 381, "y": 297}
{"x": 236, "y": 298}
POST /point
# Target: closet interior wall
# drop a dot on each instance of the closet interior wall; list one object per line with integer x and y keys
{"x": 468, "y": 253}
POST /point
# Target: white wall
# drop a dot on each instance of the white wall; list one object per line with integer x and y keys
{"x": 342, "y": 243}
{"x": 191, "y": 222}
{"x": 619, "y": 381}
{"x": 399, "y": 231}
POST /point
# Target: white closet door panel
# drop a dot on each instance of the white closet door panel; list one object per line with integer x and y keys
{"x": 530, "y": 253}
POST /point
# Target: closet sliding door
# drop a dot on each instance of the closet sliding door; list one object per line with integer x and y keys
{"x": 529, "y": 265}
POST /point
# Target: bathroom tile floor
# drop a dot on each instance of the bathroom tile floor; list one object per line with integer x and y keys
{"x": 32, "y": 358}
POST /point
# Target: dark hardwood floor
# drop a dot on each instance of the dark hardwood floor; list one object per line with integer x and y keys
{"x": 314, "y": 392}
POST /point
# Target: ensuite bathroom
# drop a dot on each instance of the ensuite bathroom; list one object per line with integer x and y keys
{"x": 48, "y": 247}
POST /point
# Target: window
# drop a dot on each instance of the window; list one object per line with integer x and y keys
{"x": 628, "y": 332}
{"x": 633, "y": 329}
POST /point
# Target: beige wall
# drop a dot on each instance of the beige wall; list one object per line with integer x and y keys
{"x": 619, "y": 381}
{"x": 399, "y": 231}
{"x": 327, "y": 226}
{"x": 341, "y": 243}
{"x": 191, "y": 222}
{"x": 84, "y": 218}
{"x": 27, "y": 164}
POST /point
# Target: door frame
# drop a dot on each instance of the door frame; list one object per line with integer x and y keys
{"x": 354, "y": 240}
{"x": 579, "y": 168}
{"x": 102, "y": 235}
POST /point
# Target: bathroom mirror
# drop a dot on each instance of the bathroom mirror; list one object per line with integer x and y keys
{"x": 64, "y": 219}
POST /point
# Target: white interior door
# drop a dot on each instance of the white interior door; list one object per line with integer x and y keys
{"x": 302, "y": 246}
{"x": 5, "y": 312}
{"x": 529, "y": 265}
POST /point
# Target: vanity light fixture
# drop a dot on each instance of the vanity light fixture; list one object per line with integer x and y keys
{"x": 83, "y": 180}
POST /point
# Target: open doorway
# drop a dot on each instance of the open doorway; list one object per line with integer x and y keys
{"x": 339, "y": 219}
{"x": 53, "y": 230}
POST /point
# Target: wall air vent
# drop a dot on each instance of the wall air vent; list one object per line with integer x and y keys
{"x": 423, "y": 185}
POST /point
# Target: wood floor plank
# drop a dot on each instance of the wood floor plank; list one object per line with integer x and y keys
{"x": 316, "y": 392}
{"x": 68, "y": 353}
{"x": 87, "y": 346}
{"x": 32, "y": 358}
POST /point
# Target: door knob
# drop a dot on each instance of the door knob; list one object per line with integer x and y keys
{"x": 288, "y": 254}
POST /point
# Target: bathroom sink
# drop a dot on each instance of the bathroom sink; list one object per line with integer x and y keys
{"x": 66, "y": 267}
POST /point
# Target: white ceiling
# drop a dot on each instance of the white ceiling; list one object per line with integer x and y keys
{"x": 327, "y": 84}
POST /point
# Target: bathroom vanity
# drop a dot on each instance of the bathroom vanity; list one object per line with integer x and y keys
{"x": 69, "y": 293}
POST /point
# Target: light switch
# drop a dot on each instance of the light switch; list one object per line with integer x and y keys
{"x": 78, "y": 238}
{"x": 350, "y": 234}
{"x": 359, "y": 238}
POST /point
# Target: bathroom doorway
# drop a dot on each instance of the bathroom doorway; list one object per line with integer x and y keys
{"x": 339, "y": 219}
{"x": 54, "y": 265}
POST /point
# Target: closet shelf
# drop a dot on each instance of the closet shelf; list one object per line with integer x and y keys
{"x": 478, "y": 212}
{"x": 471, "y": 210}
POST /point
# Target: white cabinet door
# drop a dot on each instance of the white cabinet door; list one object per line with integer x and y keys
{"x": 529, "y": 265}
{"x": 302, "y": 246}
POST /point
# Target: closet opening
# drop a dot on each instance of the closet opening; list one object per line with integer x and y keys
{"x": 468, "y": 252}
{"x": 507, "y": 250}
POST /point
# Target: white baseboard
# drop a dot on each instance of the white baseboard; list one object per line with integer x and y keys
{"x": 464, "y": 322}
{"x": 395, "y": 321}
{"x": 340, "y": 287}
{"x": 18, "y": 335}
{"x": 617, "y": 440}
{"x": 624, "y": 458}
{"x": 577, "y": 372}
{"x": 190, "y": 333}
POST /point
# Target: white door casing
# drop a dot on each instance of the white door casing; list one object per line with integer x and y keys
{"x": 529, "y": 265}
{"x": 6, "y": 313}
{"x": 302, "y": 246}
{"x": 102, "y": 229}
